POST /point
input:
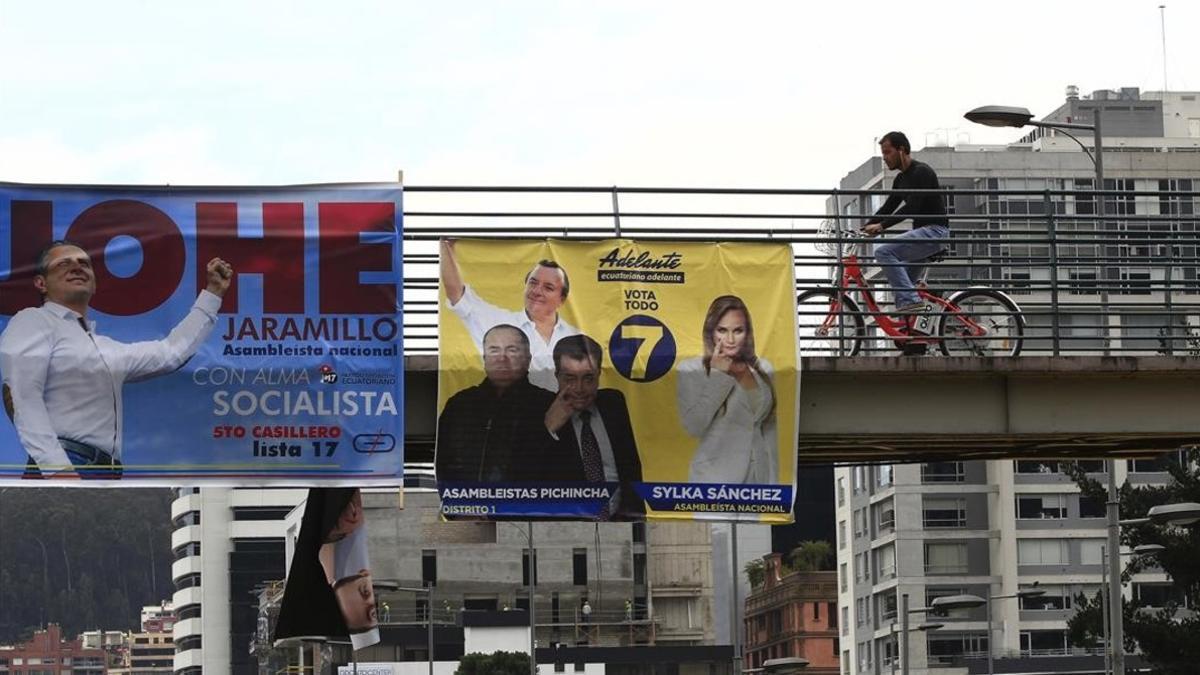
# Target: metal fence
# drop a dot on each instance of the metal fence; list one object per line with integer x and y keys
{"x": 1093, "y": 272}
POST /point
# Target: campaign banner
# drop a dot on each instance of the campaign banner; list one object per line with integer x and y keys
{"x": 617, "y": 380}
{"x": 329, "y": 590}
{"x": 226, "y": 336}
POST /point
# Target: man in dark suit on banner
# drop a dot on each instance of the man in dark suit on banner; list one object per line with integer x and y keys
{"x": 595, "y": 440}
{"x": 486, "y": 432}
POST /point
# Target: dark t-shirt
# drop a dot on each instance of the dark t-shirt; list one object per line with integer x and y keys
{"x": 923, "y": 208}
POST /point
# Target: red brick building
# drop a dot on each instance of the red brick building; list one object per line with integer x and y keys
{"x": 793, "y": 614}
{"x": 48, "y": 654}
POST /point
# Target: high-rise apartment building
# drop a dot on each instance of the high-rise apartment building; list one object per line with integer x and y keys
{"x": 226, "y": 542}
{"x": 993, "y": 528}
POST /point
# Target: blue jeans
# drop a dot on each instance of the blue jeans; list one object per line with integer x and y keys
{"x": 916, "y": 244}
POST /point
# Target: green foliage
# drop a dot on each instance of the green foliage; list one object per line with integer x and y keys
{"x": 812, "y": 556}
{"x": 1167, "y": 641}
{"x": 85, "y": 559}
{"x": 496, "y": 663}
{"x": 756, "y": 573}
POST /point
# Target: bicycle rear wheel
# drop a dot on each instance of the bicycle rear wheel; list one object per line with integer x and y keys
{"x": 830, "y": 324}
{"x": 986, "y": 323}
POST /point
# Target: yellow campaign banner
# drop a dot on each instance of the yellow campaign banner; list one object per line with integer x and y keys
{"x": 617, "y": 380}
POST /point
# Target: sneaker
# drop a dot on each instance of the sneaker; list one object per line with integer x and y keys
{"x": 913, "y": 308}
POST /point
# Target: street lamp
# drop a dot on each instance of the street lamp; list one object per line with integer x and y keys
{"x": 428, "y": 591}
{"x": 938, "y": 607}
{"x": 787, "y": 665}
{"x": 1023, "y": 593}
{"x": 1107, "y": 591}
{"x": 921, "y": 627}
{"x": 1009, "y": 116}
{"x": 532, "y": 584}
{"x": 1184, "y": 513}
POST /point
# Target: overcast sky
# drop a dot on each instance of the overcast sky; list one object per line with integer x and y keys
{"x": 550, "y": 93}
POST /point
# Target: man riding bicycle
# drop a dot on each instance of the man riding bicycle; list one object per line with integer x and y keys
{"x": 928, "y": 212}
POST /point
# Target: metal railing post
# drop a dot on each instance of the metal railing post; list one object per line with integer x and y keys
{"x": 837, "y": 278}
{"x": 1167, "y": 303}
{"x": 1052, "y": 236}
{"x": 616, "y": 206}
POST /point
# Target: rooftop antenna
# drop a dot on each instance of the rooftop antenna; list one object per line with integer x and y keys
{"x": 1162, "y": 15}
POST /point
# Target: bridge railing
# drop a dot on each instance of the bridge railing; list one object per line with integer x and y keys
{"x": 1094, "y": 272}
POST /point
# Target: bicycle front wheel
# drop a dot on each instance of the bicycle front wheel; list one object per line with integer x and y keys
{"x": 830, "y": 324}
{"x": 985, "y": 323}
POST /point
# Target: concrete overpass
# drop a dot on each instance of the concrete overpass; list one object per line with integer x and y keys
{"x": 894, "y": 409}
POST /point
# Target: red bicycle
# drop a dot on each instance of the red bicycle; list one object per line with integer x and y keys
{"x": 977, "y": 321}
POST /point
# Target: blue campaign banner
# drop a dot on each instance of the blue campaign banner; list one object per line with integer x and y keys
{"x": 216, "y": 335}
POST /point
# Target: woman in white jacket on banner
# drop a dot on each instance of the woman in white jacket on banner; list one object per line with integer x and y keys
{"x": 727, "y": 400}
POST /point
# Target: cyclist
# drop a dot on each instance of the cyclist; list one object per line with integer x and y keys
{"x": 930, "y": 226}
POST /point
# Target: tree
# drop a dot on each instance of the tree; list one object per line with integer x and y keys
{"x": 1166, "y": 640}
{"x": 496, "y": 663}
{"x": 812, "y": 556}
{"x": 756, "y": 573}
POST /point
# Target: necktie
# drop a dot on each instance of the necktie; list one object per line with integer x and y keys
{"x": 593, "y": 465}
{"x": 589, "y": 448}
{"x": 83, "y": 325}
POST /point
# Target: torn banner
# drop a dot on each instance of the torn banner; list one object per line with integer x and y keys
{"x": 329, "y": 592}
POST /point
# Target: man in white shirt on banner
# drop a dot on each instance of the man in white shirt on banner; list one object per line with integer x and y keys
{"x": 62, "y": 381}
{"x": 546, "y": 289}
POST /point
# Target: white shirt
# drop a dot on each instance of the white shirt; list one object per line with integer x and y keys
{"x": 67, "y": 382}
{"x": 479, "y": 316}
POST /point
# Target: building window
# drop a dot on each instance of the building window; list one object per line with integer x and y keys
{"x": 429, "y": 567}
{"x": 1041, "y": 552}
{"x": 579, "y": 567}
{"x": 831, "y": 612}
{"x": 187, "y": 581}
{"x": 885, "y": 562}
{"x": 1092, "y": 507}
{"x": 1046, "y": 507}
{"x": 1159, "y": 464}
{"x": 841, "y": 490}
{"x": 816, "y": 611}
{"x": 1036, "y": 466}
{"x": 1159, "y": 595}
{"x": 1043, "y": 642}
{"x": 859, "y": 483}
{"x": 941, "y": 512}
{"x": 885, "y": 518}
{"x": 639, "y": 533}
{"x": 883, "y": 475}
{"x": 887, "y": 606}
{"x": 946, "y": 558}
{"x": 1091, "y": 551}
{"x": 945, "y": 649}
{"x": 943, "y": 472}
{"x": 845, "y": 621}
{"x": 1056, "y": 598}
{"x": 842, "y": 576}
{"x": 841, "y": 534}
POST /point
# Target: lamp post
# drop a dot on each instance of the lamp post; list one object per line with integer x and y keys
{"x": 1009, "y": 116}
{"x": 1023, "y": 593}
{"x": 922, "y": 627}
{"x": 1106, "y": 591}
{"x": 938, "y": 607}
{"x": 532, "y": 585}
{"x": 428, "y": 591}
